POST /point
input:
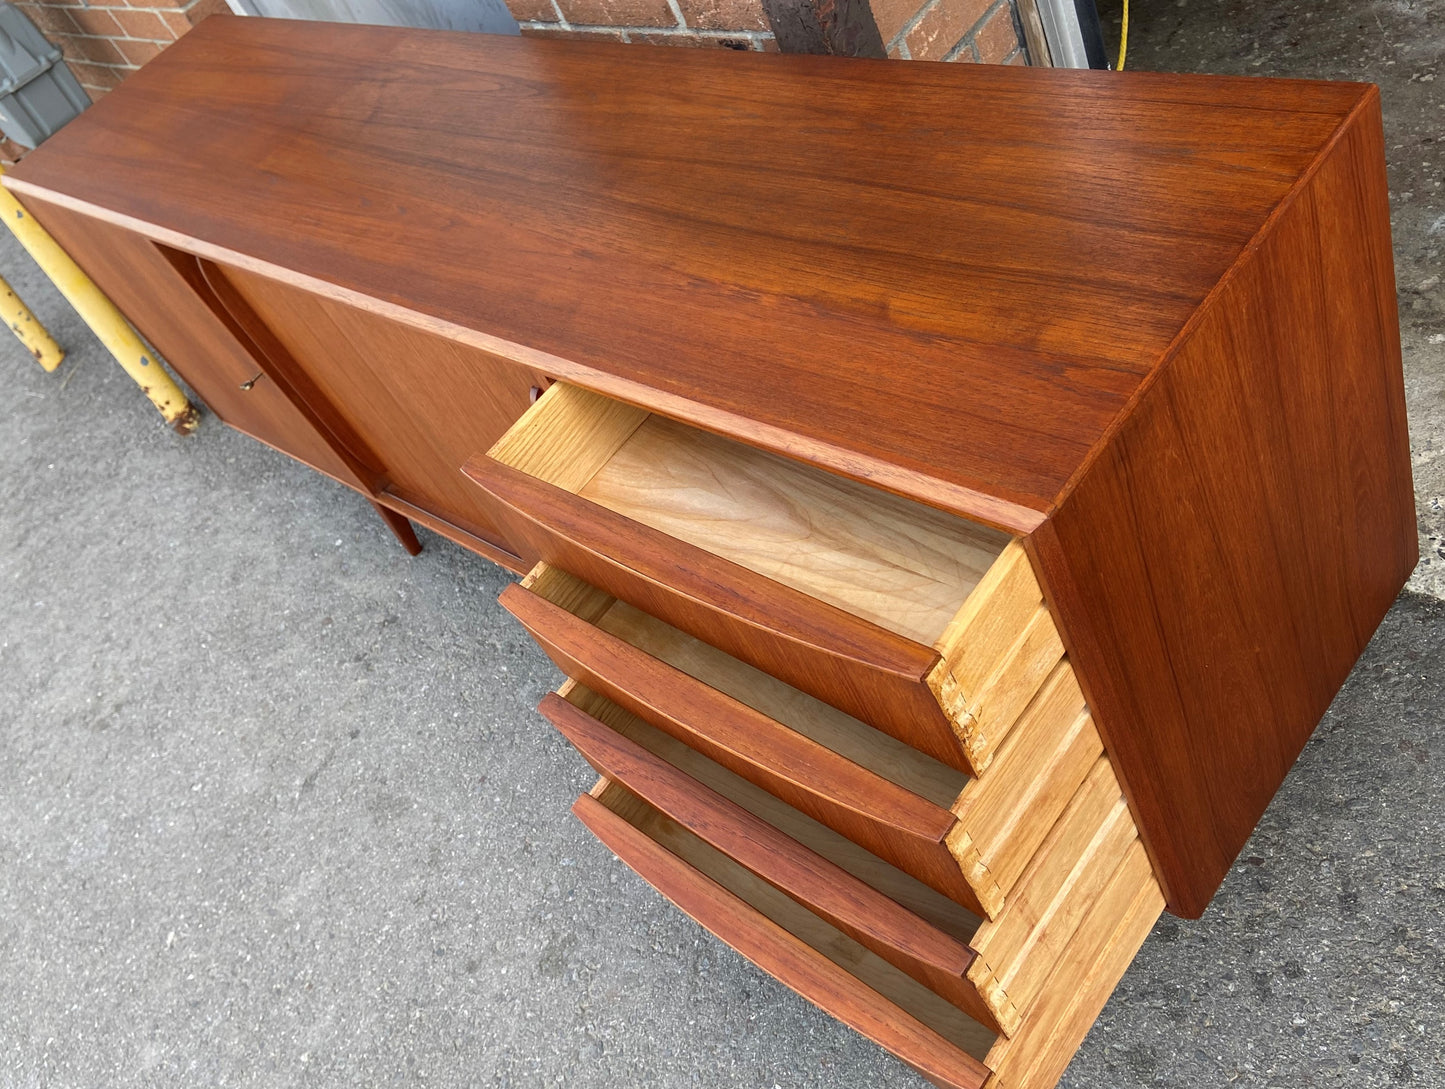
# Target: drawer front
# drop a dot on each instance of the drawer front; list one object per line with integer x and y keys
{"x": 914, "y": 946}
{"x": 1089, "y": 844}
{"x": 926, "y": 626}
{"x": 967, "y": 838}
{"x": 857, "y": 666}
{"x": 807, "y": 952}
{"x": 893, "y": 822}
{"x": 788, "y": 950}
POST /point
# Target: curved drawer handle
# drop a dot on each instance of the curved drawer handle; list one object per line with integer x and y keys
{"x": 935, "y": 959}
{"x": 872, "y": 673}
{"x": 786, "y": 958}
{"x": 737, "y": 736}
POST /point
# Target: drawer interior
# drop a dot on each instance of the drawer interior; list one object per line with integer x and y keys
{"x": 921, "y": 623}
{"x": 1001, "y": 817}
{"x": 834, "y": 729}
{"x": 892, "y": 561}
{"x": 903, "y": 991}
{"x": 937, "y": 909}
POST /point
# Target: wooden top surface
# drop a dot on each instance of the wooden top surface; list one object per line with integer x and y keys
{"x": 948, "y": 279}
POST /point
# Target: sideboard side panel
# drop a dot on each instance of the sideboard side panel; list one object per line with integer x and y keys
{"x": 1222, "y": 564}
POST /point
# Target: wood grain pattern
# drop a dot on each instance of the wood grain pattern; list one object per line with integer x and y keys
{"x": 1017, "y": 951}
{"x": 789, "y": 959}
{"x": 423, "y": 402}
{"x": 812, "y": 537}
{"x": 817, "y": 759}
{"x": 1105, "y": 901}
{"x": 212, "y": 287}
{"x": 568, "y": 435}
{"x": 1201, "y": 435}
{"x": 454, "y": 533}
{"x": 888, "y": 819}
{"x": 1221, "y": 565}
{"x": 1011, "y": 956}
{"x": 1082, "y": 980}
{"x": 903, "y": 566}
{"x": 822, "y": 255}
{"x": 889, "y": 982}
{"x": 995, "y": 653}
{"x": 820, "y": 722}
{"x": 567, "y": 605}
{"x": 865, "y": 915}
{"x": 1005, "y": 815}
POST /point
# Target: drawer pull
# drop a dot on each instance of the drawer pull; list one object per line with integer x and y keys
{"x": 725, "y": 729}
{"x": 785, "y": 957}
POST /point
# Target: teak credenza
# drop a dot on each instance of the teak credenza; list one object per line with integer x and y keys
{"x": 953, "y": 493}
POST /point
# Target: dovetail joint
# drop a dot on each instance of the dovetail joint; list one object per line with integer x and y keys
{"x": 963, "y": 718}
{"x": 975, "y": 871}
{"x": 1010, "y": 1020}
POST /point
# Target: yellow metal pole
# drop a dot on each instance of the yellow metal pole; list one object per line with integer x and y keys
{"x": 36, "y": 338}
{"x": 108, "y": 324}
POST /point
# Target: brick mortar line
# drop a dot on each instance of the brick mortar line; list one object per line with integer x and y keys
{"x": 125, "y": 67}
{"x": 900, "y": 39}
{"x": 181, "y": 10}
{"x": 677, "y": 13}
{"x": 970, "y": 36}
{"x": 114, "y": 38}
{"x": 900, "y": 43}
{"x": 964, "y": 44}
{"x": 181, "y": 6}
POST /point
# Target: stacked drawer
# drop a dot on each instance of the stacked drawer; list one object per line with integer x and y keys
{"x": 836, "y": 727}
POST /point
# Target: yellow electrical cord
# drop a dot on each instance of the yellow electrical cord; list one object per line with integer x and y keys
{"x": 1123, "y": 39}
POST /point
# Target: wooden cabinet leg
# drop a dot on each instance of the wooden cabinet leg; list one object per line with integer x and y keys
{"x": 401, "y": 527}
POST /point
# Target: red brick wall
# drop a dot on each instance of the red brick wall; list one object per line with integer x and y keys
{"x": 955, "y": 30}
{"x": 731, "y": 24}
{"x": 106, "y": 40}
{"x": 952, "y": 30}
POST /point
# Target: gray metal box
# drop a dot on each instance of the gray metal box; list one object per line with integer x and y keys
{"x": 37, "y": 92}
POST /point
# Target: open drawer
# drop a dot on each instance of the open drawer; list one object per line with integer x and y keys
{"x": 968, "y": 838}
{"x": 925, "y": 625}
{"x": 996, "y": 971}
